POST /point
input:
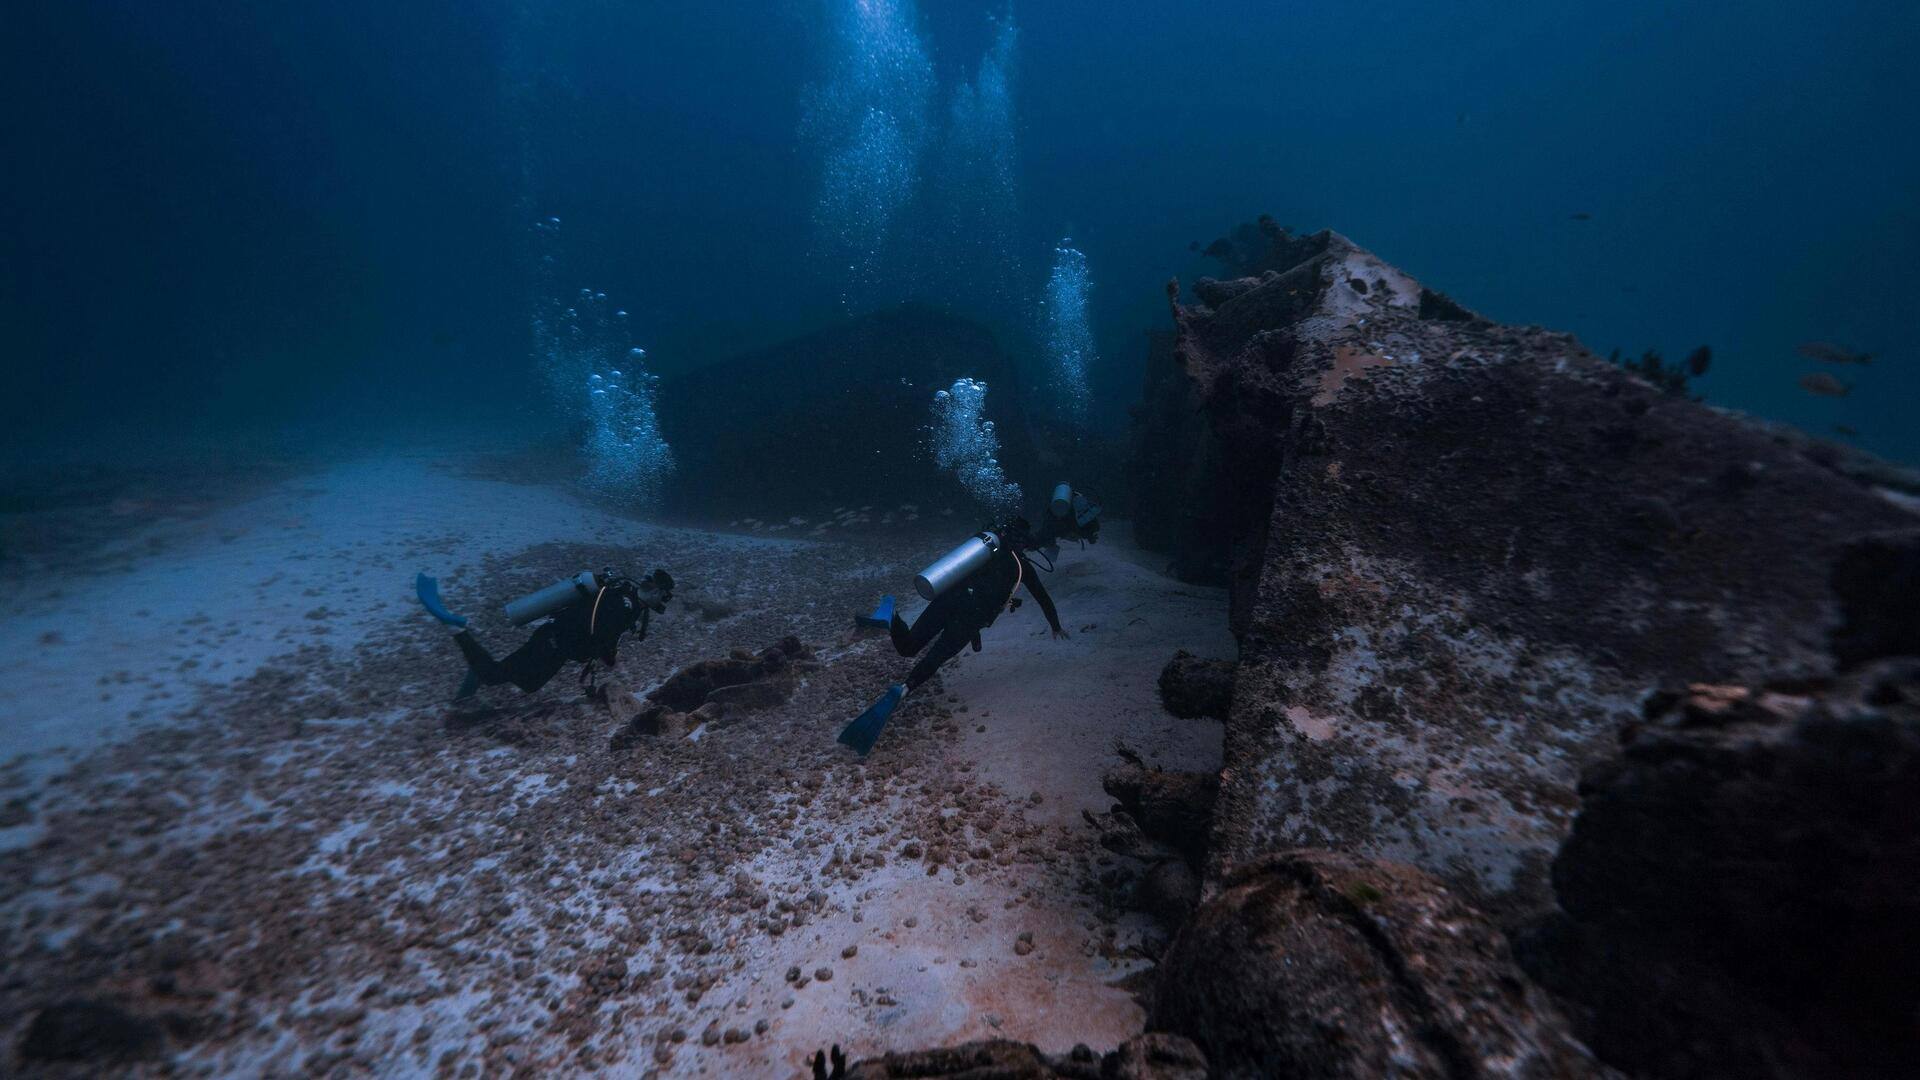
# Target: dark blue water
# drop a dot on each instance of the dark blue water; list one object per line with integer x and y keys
{"x": 234, "y": 215}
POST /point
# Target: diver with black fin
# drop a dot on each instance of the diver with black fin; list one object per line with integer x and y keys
{"x": 1071, "y": 515}
{"x": 582, "y": 619}
{"x": 966, "y": 589}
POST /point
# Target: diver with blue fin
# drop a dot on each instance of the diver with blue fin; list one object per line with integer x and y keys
{"x": 966, "y": 590}
{"x": 582, "y": 619}
{"x": 1071, "y": 515}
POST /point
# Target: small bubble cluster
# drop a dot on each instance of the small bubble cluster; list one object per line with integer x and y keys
{"x": 628, "y": 460}
{"x": 597, "y": 381}
{"x": 1069, "y": 333}
{"x": 965, "y": 444}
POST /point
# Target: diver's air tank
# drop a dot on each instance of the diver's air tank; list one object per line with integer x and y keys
{"x": 539, "y": 605}
{"x": 1062, "y": 499}
{"x": 953, "y": 567}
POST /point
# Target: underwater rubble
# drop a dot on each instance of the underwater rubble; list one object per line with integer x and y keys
{"x": 709, "y": 691}
{"x": 1320, "y": 964}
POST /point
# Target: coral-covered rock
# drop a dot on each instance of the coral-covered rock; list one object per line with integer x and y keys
{"x": 1171, "y": 808}
{"x": 1179, "y": 506}
{"x": 1168, "y": 890}
{"x": 1143, "y": 1057}
{"x": 1461, "y": 553}
{"x": 1193, "y": 686}
{"x": 1742, "y": 886}
{"x": 88, "y": 1031}
{"x": 1161, "y": 819}
{"x": 703, "y": 691}
{"x": 1312, "y": 964}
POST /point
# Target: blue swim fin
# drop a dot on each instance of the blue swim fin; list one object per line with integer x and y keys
{"x": 882, "y": 616}
{"x": 428, "y": 589}
{"x": 865, "y": 730}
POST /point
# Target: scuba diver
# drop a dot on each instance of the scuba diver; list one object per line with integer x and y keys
{"x": 967, "y": 589}
{"x": 1071, "y": 515}
{"x": 585, "y": 616}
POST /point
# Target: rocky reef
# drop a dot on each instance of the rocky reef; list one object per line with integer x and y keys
{"x": 1462, "y": 553}
{"x": 1466, "y": 561}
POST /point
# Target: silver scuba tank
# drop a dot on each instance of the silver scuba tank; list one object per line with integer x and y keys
{"x": 538, "y": 605}
{"x": 953, "y": 567}
{"x": 1062, "y": 499}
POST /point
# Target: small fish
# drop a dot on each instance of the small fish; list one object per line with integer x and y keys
{"x": 1581, "y": 216}
{"x": 1824, "y": 384}
{"x": 1846, "y": 432}
{"x": 1832, "y": 354}
{"x": 1699, "y": 360}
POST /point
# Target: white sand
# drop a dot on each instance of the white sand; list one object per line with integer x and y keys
{"x": 88, "y": 654}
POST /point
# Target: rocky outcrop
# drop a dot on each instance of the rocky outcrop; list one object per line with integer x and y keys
{"x": 708, "y": 690}
{"x": 1742, "y": 886}
{"x": 1313, "y": 964}
{"x": 1461, "y": 555}
{"x": 1144, "y": 1057}
{"x": 1179, "y": 506}
{"x": 1160, "y": 819}
{"x": 88, "y": 1031}
{"x": 1193, "y": 686}
{"x": 834, "y": 418}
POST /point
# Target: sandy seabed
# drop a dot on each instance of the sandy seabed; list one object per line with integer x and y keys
{"x": 237, "y": 801}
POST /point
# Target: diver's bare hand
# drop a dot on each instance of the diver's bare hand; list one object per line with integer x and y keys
{"x": 1060, "y": 634}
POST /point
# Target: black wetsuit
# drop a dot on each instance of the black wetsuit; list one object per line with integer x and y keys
{"x": 957, "y": 616}
{"x": 577, "y": 632}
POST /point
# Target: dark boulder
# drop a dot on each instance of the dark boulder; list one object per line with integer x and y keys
{"x": 1161, "y": 819}
{"x": 1313, "y": 964}
{"x": 1742, "y": 885}
{"x": 1193, "y": 686}
{"x": 1179, "y": 506}
{"x": 1171, "y": 808}
{"x": 834, "y": 418}
{"x": 83, "y": 1030}
{"x": 1143, "y": 1057}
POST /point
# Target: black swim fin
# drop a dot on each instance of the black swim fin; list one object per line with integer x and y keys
{"x": 865, "y": 729}
{"x": 469, "y": 686}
